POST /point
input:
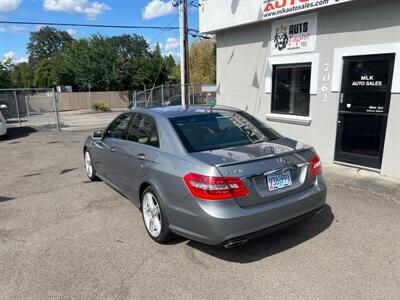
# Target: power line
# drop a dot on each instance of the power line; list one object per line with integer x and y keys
{"x": 161, "y": 31}
{"x": 165, "y": 28}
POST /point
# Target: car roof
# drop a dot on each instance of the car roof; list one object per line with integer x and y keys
{"x": 177, "y": 111}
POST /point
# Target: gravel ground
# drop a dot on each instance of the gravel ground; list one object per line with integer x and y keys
{"x": 62, "y": 236}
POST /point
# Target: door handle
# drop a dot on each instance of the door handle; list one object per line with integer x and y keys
{"x": 141, "y": 156}
{"x": 112, "y": 149}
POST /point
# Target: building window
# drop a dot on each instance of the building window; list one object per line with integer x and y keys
{"x": 291, "y": 89}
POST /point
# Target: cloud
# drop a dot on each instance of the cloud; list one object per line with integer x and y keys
{"x": 13, "y": 57}
{"x": 90, "y": 9}
{"x": 71, "y": 31}
{"x": 171, "y": 44}
{"x": 9, "y": 55}
{"x": 9, "y": 5}
{"x": 157, "y": 8}
{"x": 12, "y": 29}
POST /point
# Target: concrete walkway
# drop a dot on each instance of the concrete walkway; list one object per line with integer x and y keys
{"x": 366, "y": 181}
{"x": 86, "y": 119}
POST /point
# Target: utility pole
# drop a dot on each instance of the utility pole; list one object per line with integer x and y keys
{"x": 184, "y": 49}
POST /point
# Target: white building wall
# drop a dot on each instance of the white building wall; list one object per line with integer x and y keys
{"x": 242, "y": 54}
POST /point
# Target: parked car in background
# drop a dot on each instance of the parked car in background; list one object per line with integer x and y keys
{"x": 177, "y": 100}
{"x": 171, "y": 101}
{"x": 174, "y": 101}
{"x": 214, "y": 175}
{"x": 3, "y": 125}
{"x": 4, "y": 108}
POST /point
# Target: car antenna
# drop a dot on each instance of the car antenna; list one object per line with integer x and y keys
{"x": 212, "y": 103}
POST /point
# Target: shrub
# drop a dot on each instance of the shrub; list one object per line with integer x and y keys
{"x": 100, "y": 106}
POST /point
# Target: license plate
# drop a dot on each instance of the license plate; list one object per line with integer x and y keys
{"x": 279, "y": 180}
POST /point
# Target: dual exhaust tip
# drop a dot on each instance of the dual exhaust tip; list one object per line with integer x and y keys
{"x": 237, "y": 243}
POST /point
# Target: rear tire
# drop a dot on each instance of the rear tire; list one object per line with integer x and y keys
{"x": 89, "y": 168}
{"x": 154, "y": 217}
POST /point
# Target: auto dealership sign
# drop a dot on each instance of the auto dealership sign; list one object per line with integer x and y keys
{"x": 294, "y": 35}
{"x": 221, "y": 14}
{"x": 279, "y": 8}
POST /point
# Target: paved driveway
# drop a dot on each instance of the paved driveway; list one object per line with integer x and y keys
{"x": 86, "y": 119}
{"x": 64, "y": 237}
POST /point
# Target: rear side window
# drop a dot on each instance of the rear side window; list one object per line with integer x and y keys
{"x": 144, "y": 131}
{"x": 219, "y": 130}
{"x": 117, "y": 129}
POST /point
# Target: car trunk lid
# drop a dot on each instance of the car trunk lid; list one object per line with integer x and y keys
{"x": 257, "y": 163}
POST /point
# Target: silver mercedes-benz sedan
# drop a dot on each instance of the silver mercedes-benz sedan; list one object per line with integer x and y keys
{"x": 215, "y": 175}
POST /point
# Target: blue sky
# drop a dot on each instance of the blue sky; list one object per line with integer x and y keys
{"x": 13, "y": 38}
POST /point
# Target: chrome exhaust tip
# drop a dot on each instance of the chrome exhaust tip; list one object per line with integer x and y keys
{"x": 237, "y": 243}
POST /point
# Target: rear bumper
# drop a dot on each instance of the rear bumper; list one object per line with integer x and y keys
{"x": 242, "y": 239}
{"x": 222, "y": 222}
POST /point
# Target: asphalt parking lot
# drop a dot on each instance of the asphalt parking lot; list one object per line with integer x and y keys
{"x": 62, "y": 236}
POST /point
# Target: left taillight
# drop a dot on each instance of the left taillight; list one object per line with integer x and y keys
{"x": 215, "y": 188}
{"x": 315, "y": 166}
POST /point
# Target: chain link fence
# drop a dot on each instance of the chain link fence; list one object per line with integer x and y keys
{"x": 40, "y": 108}
{"x": 31, "y": 107}
{"x": 170, "y": 95}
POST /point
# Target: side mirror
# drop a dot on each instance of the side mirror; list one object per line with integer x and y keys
{"x": 98, "y": 134}
{"x": 3, "y": 107}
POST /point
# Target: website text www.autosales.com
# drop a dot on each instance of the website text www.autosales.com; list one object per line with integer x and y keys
{"x": 274, "y": 8}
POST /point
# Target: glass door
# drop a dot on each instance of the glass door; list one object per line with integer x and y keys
{"x": 363, "y": 109}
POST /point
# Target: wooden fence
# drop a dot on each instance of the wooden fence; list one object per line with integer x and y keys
{"x": 84, "y": 100}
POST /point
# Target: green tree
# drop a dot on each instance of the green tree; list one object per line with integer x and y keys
{"x": 150, "y": 70}
{"x": 202, "y": 62}
{"x": 91, "y": 62}
{"x": 158, "y": 67}
{"x": 46, "y": 42}
{"x": 140, "y": 72}
{"x": 128, "y": 48}
{"x": 22, "y": 75}
{"x": 74, "y": 65}
{"x": 105, "y": 63}
{"x": 170, "y": 68}
{"x": 46, "y": 74}
{"x": 5, "y": 74}
{"x": 176, "y": 74}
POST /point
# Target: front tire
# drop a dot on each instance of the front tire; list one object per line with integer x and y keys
{"x": 89, "y": 168}
{"x": 154, "y": 218}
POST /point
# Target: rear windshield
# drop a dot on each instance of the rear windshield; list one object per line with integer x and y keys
{"x": 219, "y": 130}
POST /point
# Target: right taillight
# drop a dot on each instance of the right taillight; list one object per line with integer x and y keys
{"x": 215, "y": 188}
{"x": 315, "y": 166}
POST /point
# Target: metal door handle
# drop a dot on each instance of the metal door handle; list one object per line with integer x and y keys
{"x": 141, "y": 156}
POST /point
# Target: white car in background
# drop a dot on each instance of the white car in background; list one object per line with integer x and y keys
{"x": 3, "y": 125}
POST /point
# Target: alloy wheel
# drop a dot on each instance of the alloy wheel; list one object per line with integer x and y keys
{"x": 88, "y": 165}
{"x": 152, "y": 214}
